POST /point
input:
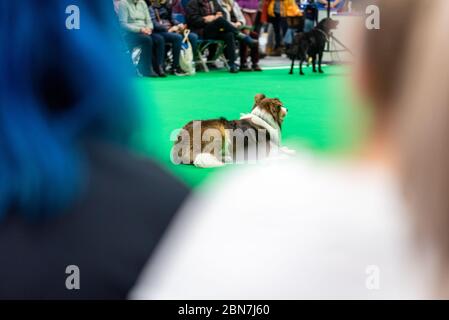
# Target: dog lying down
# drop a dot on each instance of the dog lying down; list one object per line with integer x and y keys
{"x": 254, "y": 137}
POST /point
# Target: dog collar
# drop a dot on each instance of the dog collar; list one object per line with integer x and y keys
{"x": 325, "y": 34}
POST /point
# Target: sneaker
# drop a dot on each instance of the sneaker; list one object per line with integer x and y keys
{"x": 177, "y": 72}
{"x": 256, "y": 67}
{"x": 233, "y": 69}
{"x": 244, "y": 67}
{"x": 160, "y": 72}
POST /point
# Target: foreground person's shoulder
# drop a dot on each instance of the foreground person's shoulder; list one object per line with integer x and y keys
{"x": 135, "y": 176}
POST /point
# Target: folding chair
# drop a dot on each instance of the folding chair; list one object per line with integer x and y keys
{"x": 203, "y": 50}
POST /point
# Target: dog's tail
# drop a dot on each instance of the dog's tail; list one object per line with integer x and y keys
{"x": 207, "y": 160}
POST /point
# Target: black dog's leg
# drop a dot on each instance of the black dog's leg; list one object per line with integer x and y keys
{"x": 292, "y": 66}
{"x": 314, "y": 63}
{"x": 320, "y": 60}
{"x": 300, "y": 67}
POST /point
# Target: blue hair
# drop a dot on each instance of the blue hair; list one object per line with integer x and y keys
{"x": 57, "y": 88}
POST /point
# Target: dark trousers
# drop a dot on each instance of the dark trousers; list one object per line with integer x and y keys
{"x": 152, "y": 55}
{"x": 254, "y": 51}
{"x": 221, "y": 29}
{"x": 280, "y": 27}
{"x": 176, "y": 41}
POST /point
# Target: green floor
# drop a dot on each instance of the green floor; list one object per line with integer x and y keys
{"x": 320, "y": 115}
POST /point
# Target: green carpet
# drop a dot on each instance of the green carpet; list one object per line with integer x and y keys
{"x": 320, "y": 117}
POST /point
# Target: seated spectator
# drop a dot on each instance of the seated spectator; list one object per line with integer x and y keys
{"x": 234, "y": 15}
{"x": 206, "y": 18}
{"x": 138, "y": 31}
{"x": 178, "y": 7}
{"x": 171, "y": 30}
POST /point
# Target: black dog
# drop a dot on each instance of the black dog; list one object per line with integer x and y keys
{"x": 311, "y": 44}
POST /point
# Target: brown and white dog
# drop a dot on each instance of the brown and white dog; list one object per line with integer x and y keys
{"x": 212, "y": 143}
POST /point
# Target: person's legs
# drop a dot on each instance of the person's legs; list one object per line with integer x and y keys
{"x": 276, "y": 22}
{"x": 243, "y": 57}
{"x": 223, "y": 25}
{"x": 193, "y": 38}
{"x": 146, "y": 43}
{"x": 176, "y": 40}
{"x": 159, "y": 53}
{"x": 229, "y": 41}
{"x": 255, "y": 53}
{"x": 258, "y": 22}
{"x": 284, "y": 25}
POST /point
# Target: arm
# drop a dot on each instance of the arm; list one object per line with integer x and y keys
{"x": 335, "y": 4}
{"x": 194, "y": 16}
{"x": 158, "y": 27}
{"x": 148, "y": 21}
{"x": 239, "y": 14}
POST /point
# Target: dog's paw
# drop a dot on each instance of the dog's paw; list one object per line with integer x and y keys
{"x": 207, "y": 160}
{"x": 302, "y": 73}
{"x": 314, "y": 71}
{"x": 288, "y": 151}
{"x": 320, "y": 71}
{"x": 291, "y": 72}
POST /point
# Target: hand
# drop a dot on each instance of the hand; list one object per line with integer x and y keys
{"x": 146, "y": 31}
{"x": 209, "y": 18}
{"x": 173, "y": 29}
{"x": 237, "y": 24}
{"x": 219, "y": 14}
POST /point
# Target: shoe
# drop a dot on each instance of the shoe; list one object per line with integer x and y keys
{"x": 147, "y": 74}
{"x": 160, "y": 72}
{"x": 244, "y": 67}
{"x": 177, "y": 71}
{"x": 256, "y": 67}
{"x": 233, "y": 69}
{"x": 151, "y": 74}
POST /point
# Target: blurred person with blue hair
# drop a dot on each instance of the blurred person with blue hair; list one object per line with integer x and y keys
{"x": 371, "y": 224}
{"x": 72, "y": 198}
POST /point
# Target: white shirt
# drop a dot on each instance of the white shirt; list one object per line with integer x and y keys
{"x": 302, "y": 230}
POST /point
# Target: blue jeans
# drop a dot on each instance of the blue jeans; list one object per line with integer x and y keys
{"x": 152, "y": 47}
{"x": 176, "y": 40}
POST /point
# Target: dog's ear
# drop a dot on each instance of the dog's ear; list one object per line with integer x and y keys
{"x": 259, "y": 97}
{"x": 274, "y": 107}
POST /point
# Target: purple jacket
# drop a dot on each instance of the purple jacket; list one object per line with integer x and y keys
{"x": 249, "y": 4}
